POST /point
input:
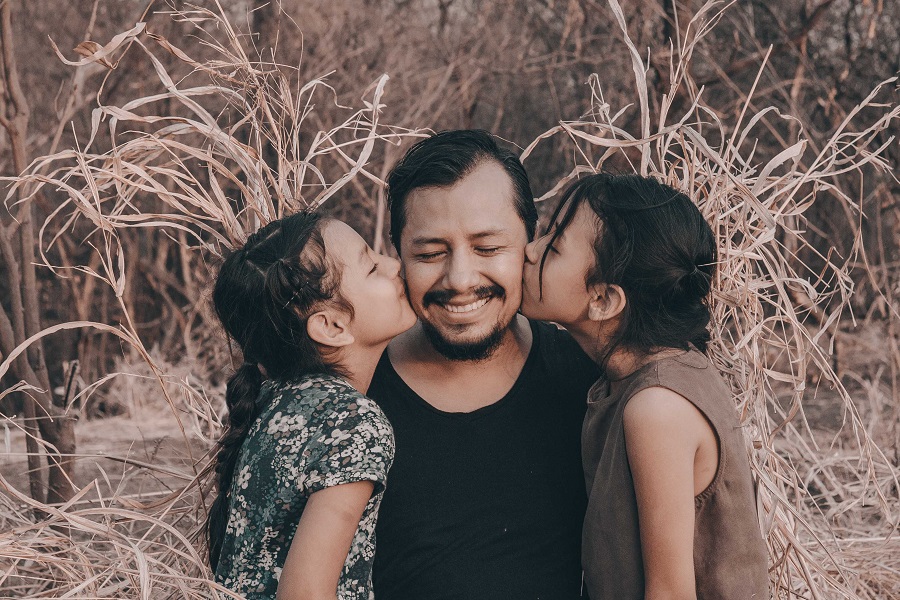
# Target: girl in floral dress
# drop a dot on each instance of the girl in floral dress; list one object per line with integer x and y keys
{"x": 302, "y": 463}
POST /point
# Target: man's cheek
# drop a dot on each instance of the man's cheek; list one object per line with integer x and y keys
{"x": 510, "y": 270}
{"x": 418, "y": 281}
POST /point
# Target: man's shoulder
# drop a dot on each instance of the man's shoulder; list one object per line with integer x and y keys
{"x": 546, "y": 329}
{"x": 562, "y": 357}
{"x": 555, "y": 343}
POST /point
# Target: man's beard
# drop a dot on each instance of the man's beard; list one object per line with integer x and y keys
{"x": 465, "y": 351}
{"x": 476, "y": 350}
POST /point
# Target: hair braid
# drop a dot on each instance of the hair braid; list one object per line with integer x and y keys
{"x": 241, "y": 397}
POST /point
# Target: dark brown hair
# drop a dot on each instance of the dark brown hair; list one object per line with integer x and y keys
{"x": 654, "y": 243}
{"x": 442, "y": 161}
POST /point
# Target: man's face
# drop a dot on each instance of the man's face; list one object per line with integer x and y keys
{"x": 462, "y": 250}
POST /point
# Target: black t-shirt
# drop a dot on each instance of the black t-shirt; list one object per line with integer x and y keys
{"x": 487, "y": 504}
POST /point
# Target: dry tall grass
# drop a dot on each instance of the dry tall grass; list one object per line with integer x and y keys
{"x": 240, "y": 149}
{"x": 829, "y": 512}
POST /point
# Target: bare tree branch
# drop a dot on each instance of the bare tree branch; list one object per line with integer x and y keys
{"x": 59, "y": 430}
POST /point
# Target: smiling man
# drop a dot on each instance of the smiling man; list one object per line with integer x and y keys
{"x": 486, "y": 496}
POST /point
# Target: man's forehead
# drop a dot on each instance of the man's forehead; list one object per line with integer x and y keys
{"x": 482, "y": 204}
{"x": 475, "y": 236}
{"x": 437, "y": 222}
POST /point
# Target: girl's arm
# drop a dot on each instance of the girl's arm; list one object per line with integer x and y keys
{"x": 320, "y": 547}
{"x": 664, "y": 436}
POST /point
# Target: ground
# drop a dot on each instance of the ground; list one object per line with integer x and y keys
{"x": 151, "y": 436}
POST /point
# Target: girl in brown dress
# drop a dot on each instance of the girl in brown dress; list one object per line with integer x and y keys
{"x": 626, "y": 265}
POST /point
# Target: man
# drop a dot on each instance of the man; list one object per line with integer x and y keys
{"x": 486, "y": 496}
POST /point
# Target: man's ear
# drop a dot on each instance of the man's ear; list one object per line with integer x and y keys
{"x": 607, "y": 302}
{"x": 329, "y": 328}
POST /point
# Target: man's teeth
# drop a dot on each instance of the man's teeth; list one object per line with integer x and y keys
{"x": 468, "y": 307}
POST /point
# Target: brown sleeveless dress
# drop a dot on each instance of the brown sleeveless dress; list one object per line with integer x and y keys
{"x": 729, "y": 552}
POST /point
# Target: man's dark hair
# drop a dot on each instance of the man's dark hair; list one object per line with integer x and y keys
{"x": 446, "y": 158}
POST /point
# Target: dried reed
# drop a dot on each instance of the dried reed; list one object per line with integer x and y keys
{"x": 829, "y": 517}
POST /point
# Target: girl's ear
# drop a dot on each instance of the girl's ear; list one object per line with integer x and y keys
{"x": 607, "y": 302}
{"x": 330, "y": 328}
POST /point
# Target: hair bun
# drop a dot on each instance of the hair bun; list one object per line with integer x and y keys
{"x": 696, "y": 281}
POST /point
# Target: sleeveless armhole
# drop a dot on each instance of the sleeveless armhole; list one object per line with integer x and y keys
{"x": 709, "y": 490}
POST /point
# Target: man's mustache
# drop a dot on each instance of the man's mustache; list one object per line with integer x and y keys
{"x": 445, "y": 296}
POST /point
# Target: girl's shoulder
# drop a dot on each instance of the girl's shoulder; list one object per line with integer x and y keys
{"x": 691, "y": 361}
{"x": 322, "y": 397}
{"x": 309, "y": 388}
{"x": 695, "y": 378}
{"x": 690, "y": 371}
{"x": 692, "y": 374}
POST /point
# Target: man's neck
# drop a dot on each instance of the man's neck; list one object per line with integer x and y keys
{"x": 460, "y": 385}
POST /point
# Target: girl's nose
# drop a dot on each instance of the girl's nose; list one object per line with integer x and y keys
{"x": 531, "y": 252}
{"x": 391, "y": 265}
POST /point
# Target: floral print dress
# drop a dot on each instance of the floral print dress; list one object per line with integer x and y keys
{"x": 313, "y": 433}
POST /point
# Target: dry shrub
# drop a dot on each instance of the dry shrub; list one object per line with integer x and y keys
{"x": 238, "y": 150}
{"x": 134, "y": 390}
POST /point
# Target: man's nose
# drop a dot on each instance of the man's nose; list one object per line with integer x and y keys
{"x": 462, "y": 272}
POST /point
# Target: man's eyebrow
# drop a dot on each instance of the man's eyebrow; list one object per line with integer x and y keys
{"x": 363, "y": 253}
{"x": 425, "y": 240}
{"x": 487, "y": 233}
